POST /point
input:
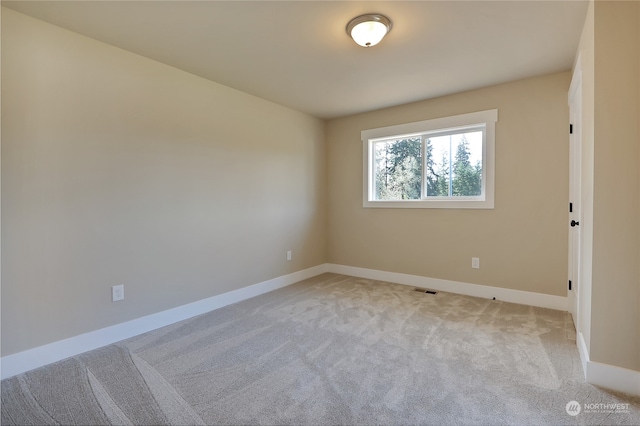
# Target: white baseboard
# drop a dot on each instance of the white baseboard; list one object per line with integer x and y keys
{"x": 583, "y": 351}
{"x": 477, "y": 290}
{"x": 614, "y": 378}
{"x": 608, "y": 376}
{"x": 37, "y": 357}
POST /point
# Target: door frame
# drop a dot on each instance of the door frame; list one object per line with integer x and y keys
{"x": 575, "y": 185}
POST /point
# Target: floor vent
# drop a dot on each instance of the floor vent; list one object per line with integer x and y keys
{"x": 425, "y": 290}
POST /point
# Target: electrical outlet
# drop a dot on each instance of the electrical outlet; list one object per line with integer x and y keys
{"x": 475, "y": 262}
{"x": 117, "y": 292}
{"x": 289, "y": 255}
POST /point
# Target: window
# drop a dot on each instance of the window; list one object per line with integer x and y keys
{"x": 442, "y": 163}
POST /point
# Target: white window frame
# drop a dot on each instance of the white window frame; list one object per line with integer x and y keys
{"x": 486, "y": 119}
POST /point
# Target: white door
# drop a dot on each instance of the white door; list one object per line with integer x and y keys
{"x": 573, "y": 222}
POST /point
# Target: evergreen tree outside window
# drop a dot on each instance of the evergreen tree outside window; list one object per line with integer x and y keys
{"x": 398, "y": 169}
{"x": 441, "y": 163}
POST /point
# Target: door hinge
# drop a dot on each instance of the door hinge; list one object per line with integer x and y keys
{"x": 570, "y": 207}
{"x": 570, "y": 129}
{"x": 569, "y": 284}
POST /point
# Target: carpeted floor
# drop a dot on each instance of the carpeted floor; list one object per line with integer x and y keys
{"x": 329, "y": 350}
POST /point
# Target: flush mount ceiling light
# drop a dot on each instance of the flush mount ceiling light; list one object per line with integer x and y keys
{"x": 368, "y": 30}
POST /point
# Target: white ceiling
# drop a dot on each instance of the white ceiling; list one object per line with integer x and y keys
{"x": 297, "y": 53}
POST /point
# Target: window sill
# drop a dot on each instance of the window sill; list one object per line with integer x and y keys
{"x": 430, "y": 204}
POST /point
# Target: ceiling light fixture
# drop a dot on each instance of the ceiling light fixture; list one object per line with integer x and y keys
{"x": 368, "y": 30}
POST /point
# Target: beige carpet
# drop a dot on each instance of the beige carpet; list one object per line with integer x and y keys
{"x": 329, "y": 350}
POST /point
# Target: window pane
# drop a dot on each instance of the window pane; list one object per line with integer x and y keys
{"x": 467, "y": 164}
{"x": 454, "y": 165}
{"x": 398, "y": 169}
{"x": 438, "y": 171}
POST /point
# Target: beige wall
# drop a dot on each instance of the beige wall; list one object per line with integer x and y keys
{"x": 522, "y": 243}
{"x": 120, "y": 170}
{"x": 615, "y": 323}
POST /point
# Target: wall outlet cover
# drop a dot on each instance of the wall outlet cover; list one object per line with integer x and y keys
{"x": 117, "y": 292}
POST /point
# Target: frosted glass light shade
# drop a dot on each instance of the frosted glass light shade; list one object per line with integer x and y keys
{"x": 368, "y": 30}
